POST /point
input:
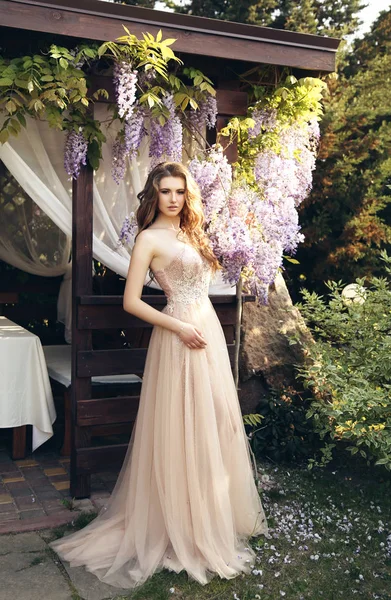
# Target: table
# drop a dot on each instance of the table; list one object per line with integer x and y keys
{"x": 25, "y": 393}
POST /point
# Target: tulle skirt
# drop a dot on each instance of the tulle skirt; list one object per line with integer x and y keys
{"x": 185, "y": 497}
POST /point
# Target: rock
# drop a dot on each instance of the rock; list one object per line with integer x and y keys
{"x": 265, "y": 349}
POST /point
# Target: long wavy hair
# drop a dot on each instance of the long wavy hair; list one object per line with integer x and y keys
{"x": 192, "y": 219}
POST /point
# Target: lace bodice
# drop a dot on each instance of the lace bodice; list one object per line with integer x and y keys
{"x": 186, "y": 278}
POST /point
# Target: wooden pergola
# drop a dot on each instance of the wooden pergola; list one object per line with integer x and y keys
{"x": 220, "y": 49}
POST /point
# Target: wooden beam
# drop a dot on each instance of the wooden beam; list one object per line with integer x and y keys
{"x": 114, "y": 317}
{"x": 82, "y": 211}
{"x": 100, "y": 458}
{"x": 248, "y": 43}
{"x": 91, "y": 363}
{"x": 101, "y": 411}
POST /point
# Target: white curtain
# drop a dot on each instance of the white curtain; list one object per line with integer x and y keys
{"x": 29, "y": 240}
{"x": 36, "y": 160}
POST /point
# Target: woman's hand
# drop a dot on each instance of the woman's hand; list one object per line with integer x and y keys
{"x": 191, "y": 336}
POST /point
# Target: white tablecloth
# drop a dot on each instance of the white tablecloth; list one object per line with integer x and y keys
{"x": 25, "y": 393}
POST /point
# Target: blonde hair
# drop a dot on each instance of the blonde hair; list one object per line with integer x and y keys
{"x": 192, "y": 219}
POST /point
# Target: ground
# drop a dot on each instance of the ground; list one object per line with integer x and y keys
{"x": 330, "y": 538}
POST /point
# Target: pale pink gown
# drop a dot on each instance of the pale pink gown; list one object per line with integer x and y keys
{"x": 185, "y": 497}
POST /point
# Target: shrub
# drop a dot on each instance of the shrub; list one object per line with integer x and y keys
{"x": 349, "y": 367}
{"x": 285, "y": 434}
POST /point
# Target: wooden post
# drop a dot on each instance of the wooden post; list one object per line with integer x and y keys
{"x": 82, "y": 219}
{"x": 238, "y": 325}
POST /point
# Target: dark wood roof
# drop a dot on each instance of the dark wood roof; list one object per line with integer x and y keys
{"x": 98, "y": 20}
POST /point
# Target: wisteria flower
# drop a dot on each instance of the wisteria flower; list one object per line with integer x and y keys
{"x": 75, "y": 154}
{"x": 125, "y": 82}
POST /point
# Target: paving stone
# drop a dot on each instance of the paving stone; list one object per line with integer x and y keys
{"x": 55, "y": 471}
{"x": 10, "y": 516}
{"x": 51, "y": 504}
{"x": 24, "y": 581}
{"x": 9, "y": 479}
{"x": 89, "y": 586}
{"x": 50, "y": 494}
{"x": 26, "y": 462}
{"x": 26, "y": 502}
{"x": 21, "y": 542}
{"x": 6, "y": 508}
{"x": 22, "y": 493}
{"x": 32, "y": 514}
{"x": 61, "y": 485}
{"x": 5, "y": 498}
{"x": 8, "y": 467}
{"x": 17, "y": 486}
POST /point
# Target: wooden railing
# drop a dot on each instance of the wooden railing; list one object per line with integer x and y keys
{"x": 106, "y": 312}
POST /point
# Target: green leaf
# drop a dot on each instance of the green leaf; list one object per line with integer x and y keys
{"x": 21, "y": 119}
{"x": 89, "y": 52}
{"x": 63, "y": 63}
{"x": 294, "y": 261}
{"x": 4, "y": 135}
{"x": 168, "y": 41}
{"x": 5, "y": 81}
{"x": 10, "y": 106}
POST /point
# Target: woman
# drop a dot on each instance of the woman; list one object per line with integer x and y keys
{"x": 185, "y": 497}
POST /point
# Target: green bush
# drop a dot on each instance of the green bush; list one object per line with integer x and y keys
{"x": 349, "y": 368}
{"x": 284, "y": 434}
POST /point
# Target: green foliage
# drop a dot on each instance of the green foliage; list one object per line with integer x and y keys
{"x": 346, "y": 219}
{"x": 252, "y": 420}
{"x": 349, "y": 369}
{"x": 325, "y": 17}
{"x": 285, "y": 434}
{"x": 54, "y": 85}
{"x": 295, "y": 100}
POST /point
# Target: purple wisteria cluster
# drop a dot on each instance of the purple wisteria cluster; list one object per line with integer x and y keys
{"x": 166, "y": 140}
{"x": 251, "y": 228}
{"x": 75, "y": 153}
{"x": 214, "y": 178}
{"x": 247, "y": 237}
{"x": 265, "y": 120}
{"x": 129, "y": 140}
{"x": 128, "y": 230}
{"x": 133, "y": 133}
{"x": 125, "y": 83}
{"x": 205, "y": 115}
{"x": 288, "y": 171}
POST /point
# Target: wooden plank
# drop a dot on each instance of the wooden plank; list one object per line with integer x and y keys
{"x": 230, "y": 150}
{"x": 114, "y": 317}
{"x": 110, "y": 362}
{"x": 152, "y": 299}
{"x": 100, "y": 458}
{"x": 101, "y": 411}
{"x": 250, "y": 45}
{"x": 229, "y": 102}
{"x": 117, "y": 362}
{"x": 82, "y": 209}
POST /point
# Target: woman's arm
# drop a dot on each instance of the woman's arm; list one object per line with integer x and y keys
{"x": 142, "y": 255}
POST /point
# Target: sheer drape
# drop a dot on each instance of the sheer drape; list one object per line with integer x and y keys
{"x": 35, "y": 159}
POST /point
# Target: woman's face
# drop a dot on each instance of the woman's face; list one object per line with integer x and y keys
{"x": 171, "y": 195}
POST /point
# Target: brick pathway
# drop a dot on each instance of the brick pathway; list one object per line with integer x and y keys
{"x": 34, "y": 491}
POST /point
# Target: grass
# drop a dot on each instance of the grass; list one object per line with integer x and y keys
{"x": 330, "y": 539}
